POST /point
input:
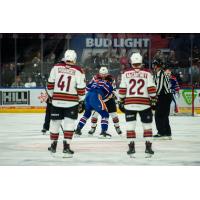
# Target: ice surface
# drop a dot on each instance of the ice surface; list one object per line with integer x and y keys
{"x": 22, "y": 144}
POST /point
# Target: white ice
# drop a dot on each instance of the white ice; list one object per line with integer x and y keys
{"x": 22, "y": 144}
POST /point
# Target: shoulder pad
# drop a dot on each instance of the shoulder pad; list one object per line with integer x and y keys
{"x": 146, "y": 70}
{"x": 78, "y": 68}
{"x": 127, "y": 70}
{"x": 60, "y": 64}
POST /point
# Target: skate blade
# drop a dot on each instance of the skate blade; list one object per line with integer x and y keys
{"x": 159, "y": 138}
{"x": 67, "y": 155}
{"x": 104, "y": 138}
{"x": 132, "y": 156}
{"x": 148, "y": 155}
{"x": 77, "y": 136}
{"x": 167, "y": 138}
{"x": 53, "y": 155}
{"x": 90, "y": 135}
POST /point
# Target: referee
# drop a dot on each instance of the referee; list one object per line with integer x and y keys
{"x": 164, "y": 94}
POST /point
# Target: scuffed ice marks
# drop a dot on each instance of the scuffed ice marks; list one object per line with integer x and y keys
{"x": 22, "y": 144}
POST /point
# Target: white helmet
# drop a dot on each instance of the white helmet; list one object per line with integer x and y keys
{"x": 136, "y": 58}
{"x": 70, "y": 55}
{"x": 103, "y": 70}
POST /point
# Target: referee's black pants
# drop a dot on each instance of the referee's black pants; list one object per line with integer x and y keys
{"x": 162, "y": 114}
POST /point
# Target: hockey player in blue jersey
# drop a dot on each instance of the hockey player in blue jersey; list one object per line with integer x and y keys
{"x": 98, "y": 91}
{"x": 175, "y": 91}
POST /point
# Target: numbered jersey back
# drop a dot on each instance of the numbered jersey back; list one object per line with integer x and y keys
{"x": 137, "y": 86}
{"x": 69, "y": 85}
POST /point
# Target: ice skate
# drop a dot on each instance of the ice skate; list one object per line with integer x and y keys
{"x": 131, "y": 150}
{"x": 44, "y": 131}
{"x": 78, "y": 132}
{"x": 67, "y": 152}
{"x": 53, "y": 147}
{"x": 119, "y": 132}
{"x": 158, "y": 137}
{"x": 104, "y": 135}
{"x": 167, "y": 137}
{"x": 149, "y": 152}
{"x": 92, "y": 131}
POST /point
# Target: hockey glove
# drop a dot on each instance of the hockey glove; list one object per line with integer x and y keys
{"x": 121, "y": 105}
{"x": 153, "y": 102}
{"x": 81, "y": 106}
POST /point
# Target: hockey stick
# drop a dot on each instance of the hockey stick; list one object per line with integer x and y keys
{"x": 43, "y": 81}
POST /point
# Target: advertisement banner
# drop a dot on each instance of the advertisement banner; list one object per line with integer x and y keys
{"x": 185, "y": 99}
{"x": 23, "y": 100}
{"x": 34, "y": 100}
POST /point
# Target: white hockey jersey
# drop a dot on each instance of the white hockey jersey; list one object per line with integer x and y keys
{"x": 137, "y": 87}
{"x": 66, "y": 85}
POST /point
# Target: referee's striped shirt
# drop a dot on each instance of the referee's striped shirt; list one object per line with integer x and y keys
{"x": 162, "y": 83}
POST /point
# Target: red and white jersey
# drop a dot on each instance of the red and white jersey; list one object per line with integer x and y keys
{"x": 66, "y": 85}
{"x": 137, "y": 87}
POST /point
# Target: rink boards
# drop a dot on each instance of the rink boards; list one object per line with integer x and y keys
{"x": 32, "y": 100}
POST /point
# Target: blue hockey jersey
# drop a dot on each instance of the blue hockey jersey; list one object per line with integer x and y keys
{"x": 102, "y": 87}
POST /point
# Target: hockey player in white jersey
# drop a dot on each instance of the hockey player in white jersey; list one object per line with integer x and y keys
{"x": 137, "y": 91}
{"x": 66, "y": 87}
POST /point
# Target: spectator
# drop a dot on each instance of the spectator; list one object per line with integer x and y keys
{"x": 179, "y": 77}
{"x": 30, "y": 83}
{"x": 51, "y": 58}
{"x": 194, "y": 73}
{"x": 196, "y": 54}
{"x": 171, "y": 59}
{"x": 36, "y": 60}
{"x": 124, "y": 62}
{"x": 36, "y": 63}
{"x": 18, "y": 82}
{"x": 157, "y": 55}
{"x": 8, "y": 74}
{"x": 97, "y": 61}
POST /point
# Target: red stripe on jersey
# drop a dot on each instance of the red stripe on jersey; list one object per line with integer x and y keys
{"x": 77, "y": 68}
{"x": 60, "y": 64}
{"x": 54, "y": 136}
{"x": 68, "y": 134}
{"x": 148, "y": 133}
{"x": 65, "y": 97}
{"x": 122, "y": 91}
{"x": 81, "y": 92}
{"x": 94, "y": 120}
{"x": 130, "y": 134}
{"x": 151, "y": 90}
{"x": 50, "y": 86}
{"x": 137, "y": 100}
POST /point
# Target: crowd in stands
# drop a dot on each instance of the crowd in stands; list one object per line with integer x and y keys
{"x": 183, "y": 64}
